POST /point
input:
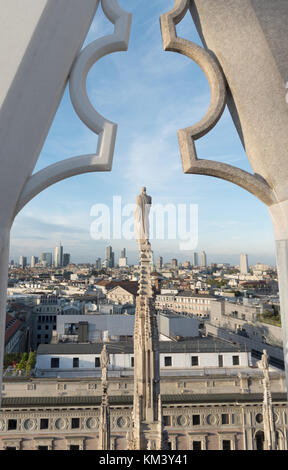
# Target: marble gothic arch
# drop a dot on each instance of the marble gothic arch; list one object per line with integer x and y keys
{"x": 257, "y": 104}
{"x": 246, "y": 65}
{"x": 34, "y": 87}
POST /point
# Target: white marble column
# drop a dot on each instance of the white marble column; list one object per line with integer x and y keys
{"x": 4, "y": 257}
{"x": 279, "y": 216}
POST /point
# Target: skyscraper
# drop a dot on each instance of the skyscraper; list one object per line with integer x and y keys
{"x": 23, "y": 261}
{"x": 109, "y": 257}
{"x": 34, "y": 261}
{"x": 98, "y": 264}
{"x": 159, "y": 262}
{"x": 58, "y": 256}
{"x": 195, "y": 259}
{"x": 174, "y": 263}
{"x": 66, "y": 259}
{"x": 123, "y": 259}
{"x": 203, "y": 259}
{"x": 46, "y": 259}
{"x": 243, "y": 263}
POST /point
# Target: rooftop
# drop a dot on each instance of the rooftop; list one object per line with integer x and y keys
{"x": 95, "y": 400}
{"x": 130, "y": 286}
{"x": 12, "y": 325}
{"x": 195, "y": 344}
{"x": 189, "y": 293}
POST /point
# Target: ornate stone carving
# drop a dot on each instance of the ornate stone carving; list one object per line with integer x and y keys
{"x": 217, "y": 82}
{"x": 106, "y": 130}
{"x": 147, "y": 408}
{"x": 268, "y": 411}
{"x": 104, "y": 434}
{"x": 206, "y": 426}
{"x": 122, "y": 422}
{"x": 92, "y": 423}
{"x": 212, "y": 419}
{"x": 61, "y": 424}
{"x": 29, "y": 424}
{"x": 182, "y": 420}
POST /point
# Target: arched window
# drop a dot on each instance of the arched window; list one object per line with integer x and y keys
{"x": 259, "y": 437}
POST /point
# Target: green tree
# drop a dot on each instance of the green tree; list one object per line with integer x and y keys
{"x": 10, "y": 357}
{"x": 30, "y": 362}
{"x": 22, "y": 364}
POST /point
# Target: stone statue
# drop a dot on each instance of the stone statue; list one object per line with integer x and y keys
{"x": 104, "y": 362}
{"x": 104, "y": 358}
{"x": 264, "y": 360}
{"x": 141, "y": 216}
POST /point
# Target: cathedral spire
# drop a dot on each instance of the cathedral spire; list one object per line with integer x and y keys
{"x": 147, "y": 414}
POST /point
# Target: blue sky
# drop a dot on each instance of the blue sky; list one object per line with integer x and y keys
{"x": 150, "y": 94}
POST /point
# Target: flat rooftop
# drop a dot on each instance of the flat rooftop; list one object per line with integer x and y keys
{"x": 187, "y": 345}
{"x": 189, "y": 399}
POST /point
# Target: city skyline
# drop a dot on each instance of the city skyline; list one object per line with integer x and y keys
{"x": 168, "y": 259}
{"x": 230, "y": 219}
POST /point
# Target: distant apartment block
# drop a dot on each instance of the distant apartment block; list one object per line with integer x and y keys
{"x": 189, "y": 303}
{"x": 45, "y": 315}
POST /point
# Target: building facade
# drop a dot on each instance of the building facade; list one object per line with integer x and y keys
{"x": 123, "y": 293}
{"x": 187, "y": 356}
{"x": 45, "y": 315}
{"x": 212, "y": 412}
{"x": 189, "y": 303}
